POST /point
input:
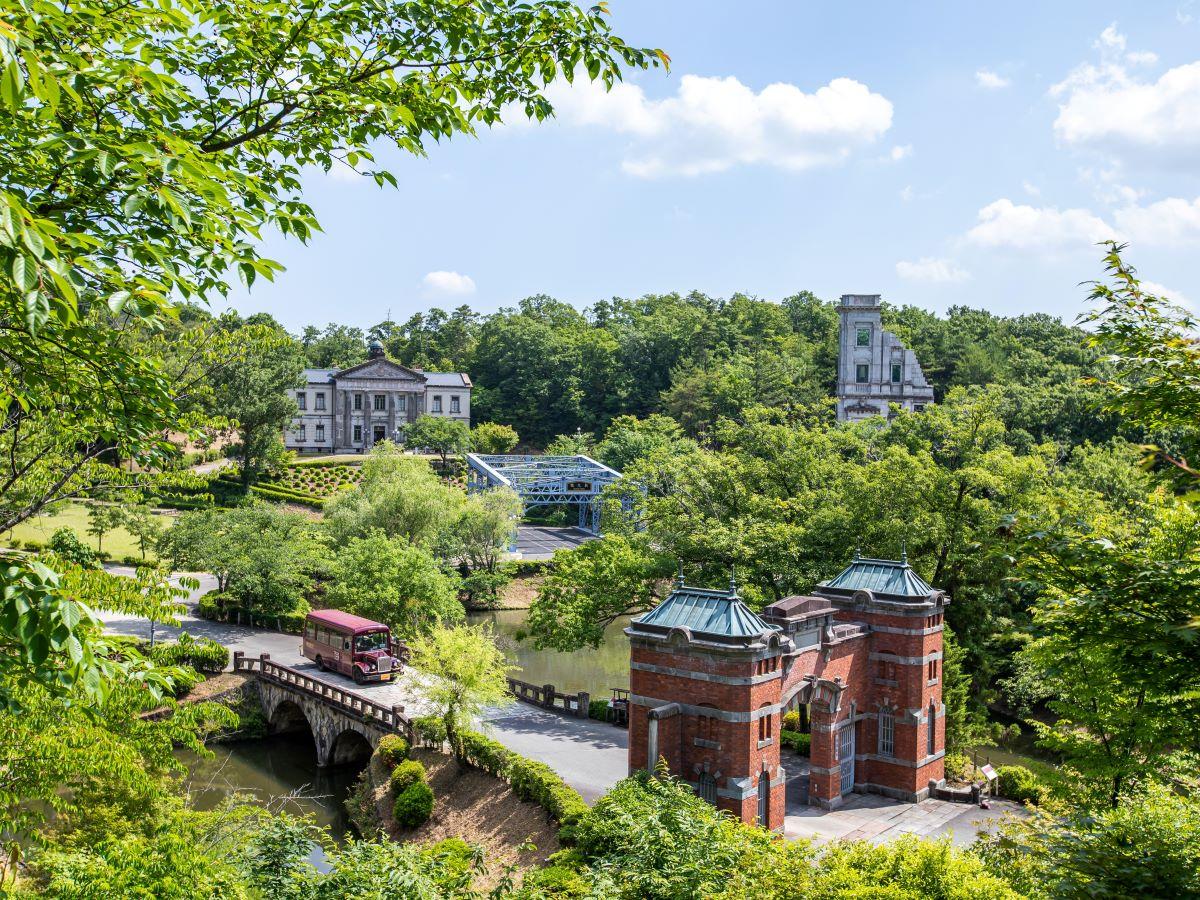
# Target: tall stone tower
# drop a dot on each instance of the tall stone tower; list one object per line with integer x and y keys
{"x": 874, "y": 368}
{"x": 705, "y": 677}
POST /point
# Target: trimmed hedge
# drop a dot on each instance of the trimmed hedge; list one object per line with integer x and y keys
{"x": 598, "y": 709}
{"x": 408, "y": 772}
{"x": 1020, "y": 784}
{"x": 414, "y": 805}
{"x": 287, "y": 495}
{"x": 223, "y": 607}
{"x": 528, "y": 779}
{"x": 320, "y": 463}
{"x": 430, "y": 729}
{"x": 801, "y": 743}
{"x": 392, "y": 749}
{"x": 204, "y": 655}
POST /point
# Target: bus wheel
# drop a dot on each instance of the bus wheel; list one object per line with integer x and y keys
{"x": 320, "y": 664}
{"x": 358, "y": 675}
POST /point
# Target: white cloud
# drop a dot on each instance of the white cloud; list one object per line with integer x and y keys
{"x": 907, "y": 193}
{"x": 1142, "y": 58}
{"x": 448, "y": 283}
{"x": 986, "y": 78}
{"x": 1022, "y": 227}
{"x": 937, "y": 271}
{"x": 1173, "y": 222}
{"x": 1161, "y": 290}
{"x": 1031, "y": 189}
{"x": 900, "y": 152}
{"x": 715, "y": 124}
{"x": 1107, "y": 107}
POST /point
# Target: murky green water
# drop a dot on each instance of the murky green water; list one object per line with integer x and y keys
{"x": 595, "y": 671}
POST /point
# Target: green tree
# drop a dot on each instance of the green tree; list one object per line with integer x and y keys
{"x": 482, "y": 535}
{"x": 253, "y": 393}
{"x": 103, "y": 518}
{"x": 441, "y": 435}
{"x": 629, "y": 439}
{"x": 461, "y": 671}
{"x": 66, "y": 545}
{"x": 392, "y": 581}
{"x": 399, "y": 495}
{"x": 144, "y": 524}
{"x": 492, "y": 437}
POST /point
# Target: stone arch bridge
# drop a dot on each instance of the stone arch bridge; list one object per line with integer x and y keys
{"x": 345, "y": 726}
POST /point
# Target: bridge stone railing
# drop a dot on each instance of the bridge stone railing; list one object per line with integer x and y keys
{"x": 390, "y": 718}
{"x": 547, "y": 697}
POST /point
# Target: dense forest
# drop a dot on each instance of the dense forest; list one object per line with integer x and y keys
{"x": 557, "y": 369}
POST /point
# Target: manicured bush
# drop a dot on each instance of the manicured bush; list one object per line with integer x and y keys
{"x": 791, "y": 720}
{"x": 407, "y": 772}
{"x": 598, "y": 709}
{"x": 413, "y": 806}
{"x": 801, "y": 743}
{"x": 959, "y": 767}
{"x": 392, "y": 749}
{"x": 1020, "y": 784}
{"x": 430, "y": 729}
{"x": 132, "y": 560}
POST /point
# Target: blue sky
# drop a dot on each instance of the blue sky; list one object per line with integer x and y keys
{"x": 937, "y": 153}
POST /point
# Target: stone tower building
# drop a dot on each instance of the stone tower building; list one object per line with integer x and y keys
{"x": 861, "y": 658}
{"x": 874, "y": 368}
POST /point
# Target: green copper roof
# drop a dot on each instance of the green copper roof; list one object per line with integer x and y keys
{"x": 881, "y": 576}
{"x": 706, "y": 611}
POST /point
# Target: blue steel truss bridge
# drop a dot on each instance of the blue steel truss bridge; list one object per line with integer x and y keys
{"x": 545, "y": 481}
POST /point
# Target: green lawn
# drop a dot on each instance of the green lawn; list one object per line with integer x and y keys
{"x": 119, "y": 543}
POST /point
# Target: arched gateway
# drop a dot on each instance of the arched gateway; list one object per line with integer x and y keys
{"x": 710, "y": 680}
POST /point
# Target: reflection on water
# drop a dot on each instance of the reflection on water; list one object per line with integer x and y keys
{"x": 595, "y": 671}
{"x": 281, "y": 773}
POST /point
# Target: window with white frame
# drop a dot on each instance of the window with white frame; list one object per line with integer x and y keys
{"x": 357, "y": 402}
{"x": 320, "y": 400}
{"x": 301, "y": 400}
{"x": 437, "y": 403}
{"x": 320, "y": 433}
{"x": 301, "y": 432}
{"x": 358, "y": 434}
{"x": 862, "y": 373}
{"x": 454, "y": 405}
{"x": 401, "y": 403}
{"x": 887, "y": 732}
{"x": 380, "y": 403}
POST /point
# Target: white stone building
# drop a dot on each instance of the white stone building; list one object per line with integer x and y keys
{"x": 874, "y": 368}
{"x": 350, "y": 410}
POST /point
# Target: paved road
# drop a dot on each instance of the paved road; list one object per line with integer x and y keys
{"x": 540, "y": 542}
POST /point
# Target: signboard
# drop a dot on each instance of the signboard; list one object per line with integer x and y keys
{"x": 579, "y": 487}
{"x": 989, "y": 773}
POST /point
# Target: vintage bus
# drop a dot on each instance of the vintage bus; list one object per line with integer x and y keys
{"x": 340, "y": 642}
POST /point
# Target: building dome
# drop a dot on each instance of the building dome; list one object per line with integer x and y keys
{"x": 375, "y": 348}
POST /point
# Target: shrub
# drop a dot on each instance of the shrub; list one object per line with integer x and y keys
{"x": 430, "y": 729}
{"x": 414, "y": 805}
{"x": 408, "y": 772}
{"x": 66, "y": 543}
{"x": 392, "y": 749}
{"x": 205, "y": 655}
{"x": 791, "y": 720}
{"x": 15, "y": 544}
{"x": 801, "y": 743}
{"x": 598, "y": 709}
{"x": 132, "y": 560}
{"x": 959, "y": 767}
{"x": 1020, "y": 784}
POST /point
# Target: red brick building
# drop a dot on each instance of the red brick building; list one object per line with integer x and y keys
{"x": 861, "y": 658}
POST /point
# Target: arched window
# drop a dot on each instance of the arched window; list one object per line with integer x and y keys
{"x": 887, "y": 732}
{"x": 706, "y": 787}
{"x": 765, "y": 723}
{"x": 931, "y": 737}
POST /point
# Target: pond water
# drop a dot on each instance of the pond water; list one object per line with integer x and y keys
{"x": 281, "y": 773}
{"x": 595, "y": 671}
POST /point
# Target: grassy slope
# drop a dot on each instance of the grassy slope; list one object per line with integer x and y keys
{"x": 119, "y": 542}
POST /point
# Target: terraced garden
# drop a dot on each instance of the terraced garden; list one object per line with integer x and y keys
{"x": 310, "y": 482}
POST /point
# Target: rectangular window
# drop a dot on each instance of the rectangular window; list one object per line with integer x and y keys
{"x": 401, "y": 403}
{"x": 358, "y": 401}
{"x": 320, "y": 433}
{"x": 380, "y": 403}
{"x": 301, "y": 400}
{"x": 864, "y": 337}
{"x": 931, "y": 732}
{"x": 437, "y": 403}
{"x": 887, "y": 733}
{"x": 454, "y": 407}
{"x": 300, "y": 433}
{"x": 897, "y": 369}
{"x": 862, "y": 373}
{"x": 357, "y": 434}
{"x": 320, "y": 400}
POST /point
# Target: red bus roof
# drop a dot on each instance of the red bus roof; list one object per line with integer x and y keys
{"x": 344, "y": 620}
